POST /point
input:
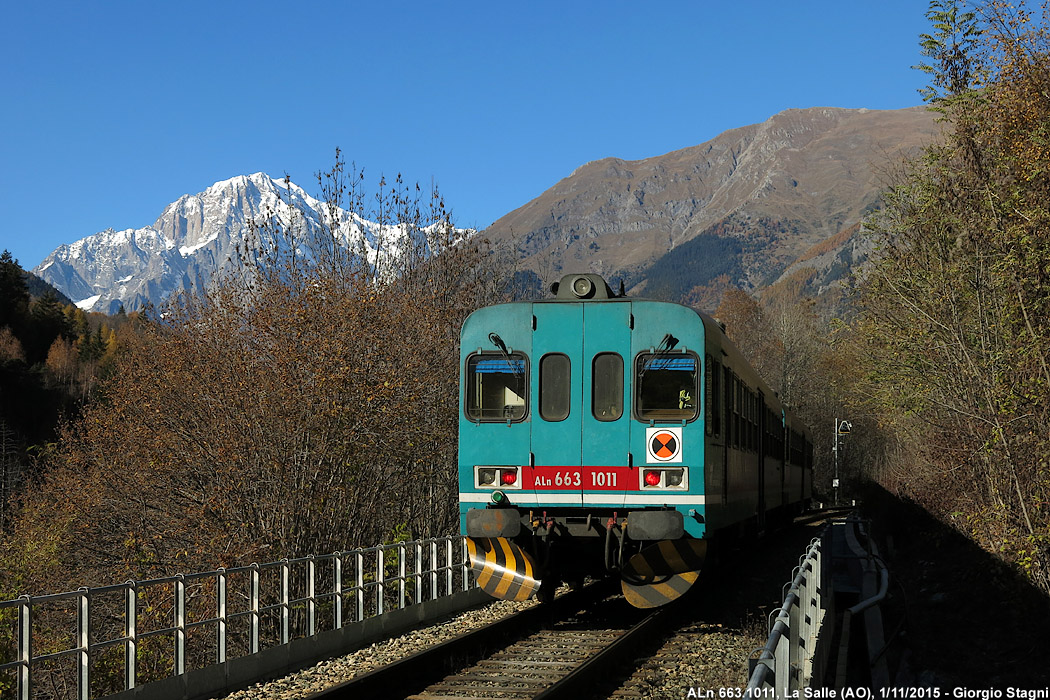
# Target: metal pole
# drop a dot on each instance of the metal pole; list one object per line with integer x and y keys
{"x": 380, "y": 580}
{"x": 255, "y": 586}
{"x": 359, "y": 562}
{"x": 220, "y": 614}
{"x": 180, "y": 625}
{"x": 25, "y": 647}
{"x": 402, "y": 555}
{"x": 337, "y": 588}
{"x": 433, "y": 570}
{"x": 448, "y": 564}
{"x": 311, "y": 597}
{"x": 835, "y": 449}
{"x": 131, "y": 599}
{"x": 464, "y": 567}
{"x": 418, "y": 597}
{"x": 84, "y": 643}
{"x": 285, "y": 633}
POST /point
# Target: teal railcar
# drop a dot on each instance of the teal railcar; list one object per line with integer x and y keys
{"x": 601, "y": 433}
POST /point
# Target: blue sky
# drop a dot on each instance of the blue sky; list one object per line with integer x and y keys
{"x": 112, "y": 110}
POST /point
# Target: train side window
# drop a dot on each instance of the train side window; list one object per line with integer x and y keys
{"x": 752, "y": 419}
{"x": 737, "y": 422}
{"x": 730, "y": 387}
{"x": 607, "y": 386}
{"x": 716, "y": 396}
{"x": 708, "y": 392}
{"x": 745, "y": 417}
{"x": 666, "y": 387}
{"x": 727, "y": 388}
{"x": 555, "y": 387}
{"x": 497, "y": 387}
{"x": 769, "y": 444}
{"x": 796, "y": 448}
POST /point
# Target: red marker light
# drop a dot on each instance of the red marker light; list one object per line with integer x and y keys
{"x": 509, "y": 477}
{"x": 652, "y": 478}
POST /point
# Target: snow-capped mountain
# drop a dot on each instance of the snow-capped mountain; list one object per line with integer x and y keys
{"x": 195, "y": 237}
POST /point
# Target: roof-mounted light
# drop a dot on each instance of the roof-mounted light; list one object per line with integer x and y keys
{"x": 582, "y": 287}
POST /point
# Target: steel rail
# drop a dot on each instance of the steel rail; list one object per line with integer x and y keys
{"x": 581, "y": 680}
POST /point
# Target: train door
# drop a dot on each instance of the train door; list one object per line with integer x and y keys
{"x": 556, "y": 443}
{"x": 606, "y": 400}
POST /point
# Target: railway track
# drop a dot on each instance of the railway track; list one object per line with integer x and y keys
{"x": 563, "y": 662}
{"x": 552, "y": 651}
{"x": 590, "y": 643}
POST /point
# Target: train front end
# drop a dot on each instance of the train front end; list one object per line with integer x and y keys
{"x": 581, "y": 443}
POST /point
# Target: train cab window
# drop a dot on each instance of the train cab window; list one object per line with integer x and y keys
{"x": 497, "y": 387}
{"x": 607, "y": 386}
{"x": 555, "y": 387}
{"x": 666, "y": 386}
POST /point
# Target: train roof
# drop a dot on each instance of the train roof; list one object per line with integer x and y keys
{"x": 592, "y": 287}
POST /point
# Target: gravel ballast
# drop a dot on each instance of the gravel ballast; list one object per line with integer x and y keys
{"x": 334, "y": 671}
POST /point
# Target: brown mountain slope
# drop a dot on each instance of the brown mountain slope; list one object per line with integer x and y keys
{"x": 746, "y": 204}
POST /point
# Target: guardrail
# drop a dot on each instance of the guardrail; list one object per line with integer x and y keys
{"x": 874, "y": 582}
{"x": 840, "y": 568}
{"x": 789, "y": 661}
{"x": 95, "y": 639}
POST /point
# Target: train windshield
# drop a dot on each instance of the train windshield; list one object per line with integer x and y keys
{"x": 496, "y": 387}
{"x": 666, "y": 387}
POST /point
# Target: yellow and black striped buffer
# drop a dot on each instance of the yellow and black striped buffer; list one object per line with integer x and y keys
{"x": 662, "y": 572}
{"x": 502, "y": 568}
{"x": 661, "y": 592}
{"x": 666, "y": 557}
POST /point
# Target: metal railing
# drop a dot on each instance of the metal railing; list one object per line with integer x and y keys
{"x": 247, "y": 609}
{"x": 790, "y": 658}
{"x": 839, "y": 567}
{"x": 874, "y": 581}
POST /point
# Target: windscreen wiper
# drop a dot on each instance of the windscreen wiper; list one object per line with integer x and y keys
{"x": 498, "y": 342}
{"x": 666, "y": 345}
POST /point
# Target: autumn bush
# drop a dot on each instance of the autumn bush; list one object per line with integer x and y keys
{"x": 306, "y": 402}
{"x": 954, "y": 332}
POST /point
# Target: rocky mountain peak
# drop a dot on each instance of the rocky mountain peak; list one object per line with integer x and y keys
{"x": 188, "y": 243}
{"x": 745, "y": 205}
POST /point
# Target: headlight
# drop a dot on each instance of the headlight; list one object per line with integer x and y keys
{"x": 495, "y": 476}
{"x": 664, "y": 479}
{"x": 582, "y": 287}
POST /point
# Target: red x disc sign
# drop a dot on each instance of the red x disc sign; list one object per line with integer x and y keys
{"x": 664, "y": 444}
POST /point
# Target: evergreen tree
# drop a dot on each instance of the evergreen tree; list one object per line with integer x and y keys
{"x": 48, "y": 323}
{"x": 14, "y": 296}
